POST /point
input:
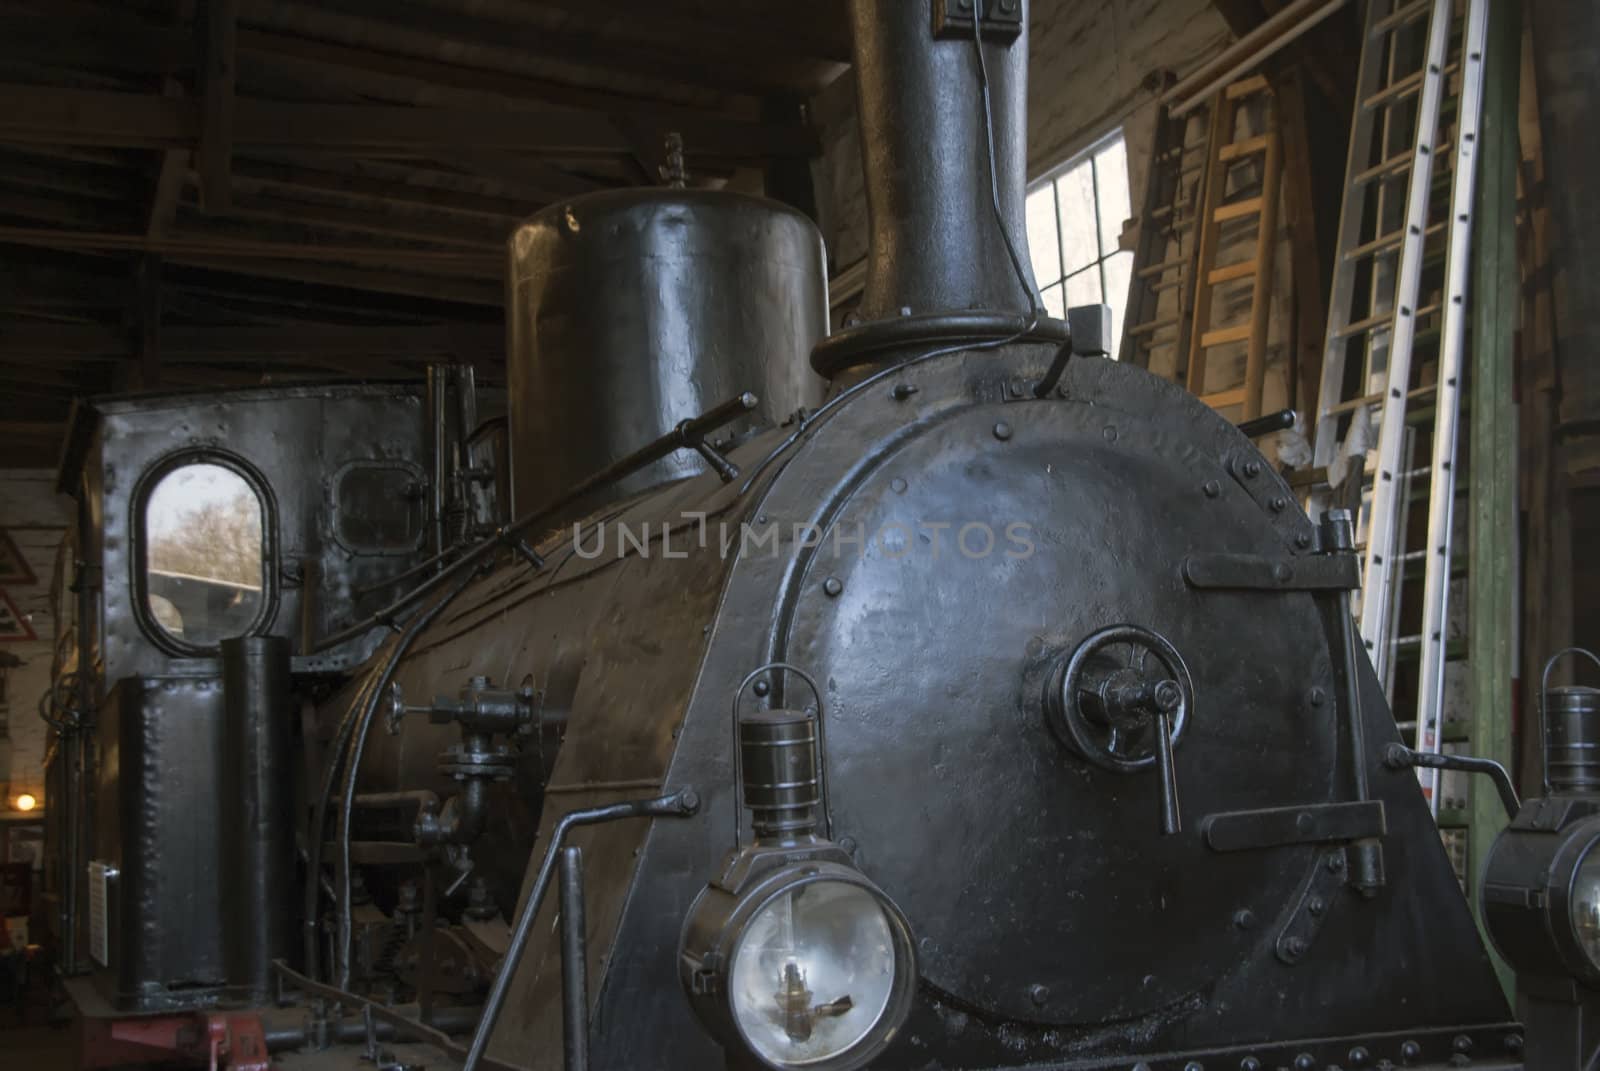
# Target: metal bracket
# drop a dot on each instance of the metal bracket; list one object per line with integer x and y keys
{"x": 1252, "y": 473}
{"x": 1316, "y": 898}
{"x": 1330, "y": 572}
{"x": 1238, "y": 831}
{"x": 1002, "y": 19}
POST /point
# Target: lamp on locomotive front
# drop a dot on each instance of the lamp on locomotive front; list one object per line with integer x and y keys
{"x": 791, "y": 957}
{"x": 1540, "y": 893}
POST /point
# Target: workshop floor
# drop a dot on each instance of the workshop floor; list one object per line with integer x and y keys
{"x": 39, "y": 1048}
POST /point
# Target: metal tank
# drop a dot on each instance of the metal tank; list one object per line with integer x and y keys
{"x": 632, "y": 310}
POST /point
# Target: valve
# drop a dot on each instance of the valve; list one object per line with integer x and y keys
{"x": 1108, "y": 704}
{"x": 481, "y": 708}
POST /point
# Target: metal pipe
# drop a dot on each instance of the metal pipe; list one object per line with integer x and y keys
{"x": 358, "y": 746}
{"x": 574, "y": 964}
{"x": 407, "y": 1026}
{"x": 422, "y": 798}
{"x": 438, "y": 385}
{"x": 257, "y": 827}
{"x": 283, "y": 1038}
{"x": 1400, "y": 757}
{"x": 1267, "y": 423}
{"x": 1246, "y": 53}
{"x": 680, "y": 804}
{"x": 926, "y": 155}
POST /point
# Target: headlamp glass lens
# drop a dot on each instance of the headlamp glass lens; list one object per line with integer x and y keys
{"x": 813, "y": 973}
{"x": 1586, "y": 906}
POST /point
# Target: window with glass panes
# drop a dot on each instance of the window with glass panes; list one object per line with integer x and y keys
{"x": 1075, "y": 215}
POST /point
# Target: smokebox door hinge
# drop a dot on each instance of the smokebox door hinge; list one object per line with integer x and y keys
{"x": 1272, "y": 827}
{"x": 1332, "y": 572}
{"x": 1002, "y": 19}
{"x": 1316, "y": 900}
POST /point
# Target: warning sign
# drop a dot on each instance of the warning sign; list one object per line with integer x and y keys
{"x": 14, "y": 628}
{"x": 13, "y": 566}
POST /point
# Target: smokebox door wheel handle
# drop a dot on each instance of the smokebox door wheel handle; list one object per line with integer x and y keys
{"x": 1121, "y": 700}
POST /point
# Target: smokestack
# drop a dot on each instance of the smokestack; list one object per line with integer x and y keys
{"x": 939, "y": 270}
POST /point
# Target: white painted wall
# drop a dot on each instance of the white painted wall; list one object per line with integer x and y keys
{"x": 36, "y": 519}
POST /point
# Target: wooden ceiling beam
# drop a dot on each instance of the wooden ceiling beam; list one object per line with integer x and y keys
{"x": 747, "y": 72}
{"x": 355, "y": 65}
{"x": 43, "y": 115}
{"x": 475, "y": 343}
{"x": 488, "y": 240}
{"x": 361, "y": 187}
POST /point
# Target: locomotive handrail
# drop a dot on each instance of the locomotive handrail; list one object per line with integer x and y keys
{"x": 688, "y": 435}
{"x": 683, "y": 803}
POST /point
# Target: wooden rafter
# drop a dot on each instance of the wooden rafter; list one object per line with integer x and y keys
{"x": 51, "y": 116}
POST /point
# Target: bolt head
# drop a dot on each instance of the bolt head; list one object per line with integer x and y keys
{"x": 1212, "y": 488}
{"x": 1002, "y": 431}
{"x": 832, "y": 587}
{"x": 1244, "y": 919}
{"x": 1304, "y": 1062}
{"x": 1252, "y": 469}
{"x": 1038, "y": 993}
{"x": 1410, "y": 1051}
{"x": 1296, "y": 947}
{"x": 1316, "y": 697}
{"x": 1168, "y": 696}
{"x": 761, "y": 687}
{"x": 1250, "y": 1063}
{"x": 1358, "y": 1056}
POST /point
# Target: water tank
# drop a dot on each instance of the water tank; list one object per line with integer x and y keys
{"x": 629, "y": 311}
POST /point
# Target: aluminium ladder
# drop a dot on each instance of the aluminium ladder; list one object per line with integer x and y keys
{"x": 1385, "y": 242}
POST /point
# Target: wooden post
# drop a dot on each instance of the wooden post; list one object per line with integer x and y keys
{"x": 219, "y": 29}
{"x": 1496, "y": 302}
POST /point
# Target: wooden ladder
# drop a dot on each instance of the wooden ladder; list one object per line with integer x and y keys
{"x": 1227, "y": 151}
{"x": 1161, "y": 291}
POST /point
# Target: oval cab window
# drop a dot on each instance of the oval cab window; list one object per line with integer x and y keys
{"x": 203, "y": 541}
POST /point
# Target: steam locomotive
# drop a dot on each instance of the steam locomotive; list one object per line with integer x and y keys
{"x": 936, "y": 693}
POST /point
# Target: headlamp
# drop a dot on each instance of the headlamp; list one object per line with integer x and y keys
{"x": 805, "y": 965}
{"x": 1540, "y": 894}
{"x": 792, "y": 956}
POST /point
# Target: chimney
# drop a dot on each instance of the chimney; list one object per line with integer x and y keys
{"x": 939, "y": 271}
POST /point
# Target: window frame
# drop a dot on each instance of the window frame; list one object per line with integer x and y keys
{"x": 1104, "y": 256}
{"x": 337, "y": 509}
{"x": 139, "y": 546}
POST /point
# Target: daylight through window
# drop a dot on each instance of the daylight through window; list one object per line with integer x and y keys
{"x": 203, "y": 550}
{"x": 1075, "y": 215}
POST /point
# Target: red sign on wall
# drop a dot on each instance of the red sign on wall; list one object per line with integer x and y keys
{"x": 14, "y": 627}
{"x": 13, "y": 566}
